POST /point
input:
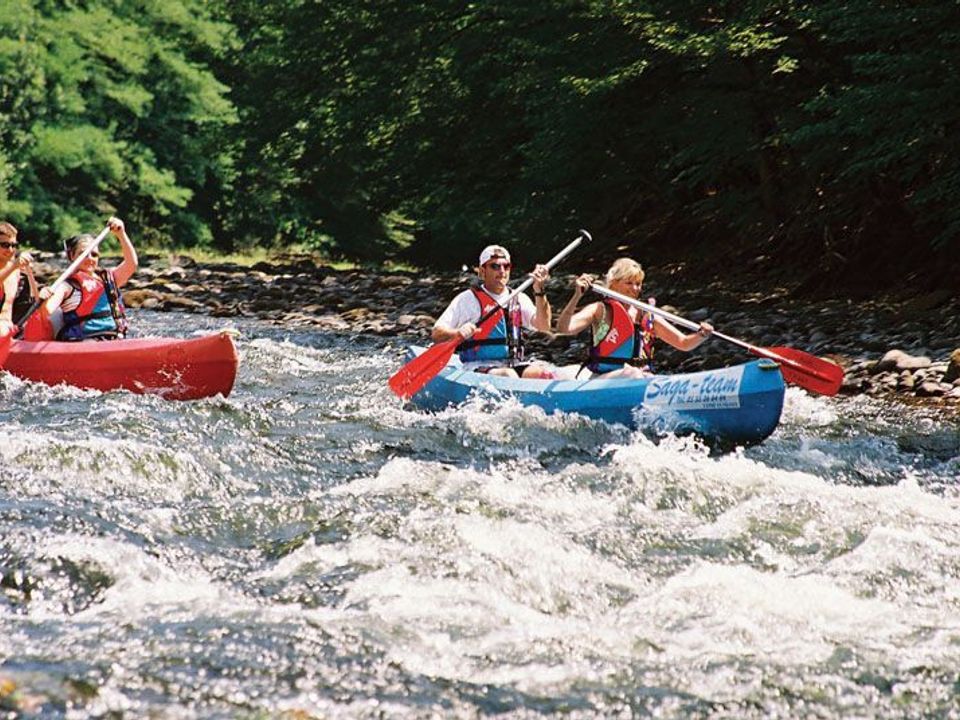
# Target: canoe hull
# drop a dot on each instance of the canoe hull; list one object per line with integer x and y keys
{"x": 174, "y": 368}
{"x": 5, "y": 342}
{"x": 739, "y": 404}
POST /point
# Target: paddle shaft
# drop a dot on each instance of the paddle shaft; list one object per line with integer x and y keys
{"x": 71, "y": 269}
{"x": 762, "y": 352}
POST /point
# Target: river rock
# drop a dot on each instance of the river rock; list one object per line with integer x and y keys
{"x": 931, "y": 389}
{"x": 172, "y": 302}
{"x": 927, "y": 301}
{"x": 853, "y": 384}
{"x": 899, "y": 360}
{"x": 423, "y": 321}
{"x": 953, "y": 368}
{"x": 140, "y": 298}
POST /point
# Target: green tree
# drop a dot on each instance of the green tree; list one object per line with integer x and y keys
{"x": 112, "y": 107}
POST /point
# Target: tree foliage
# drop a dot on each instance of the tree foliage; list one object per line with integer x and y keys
{"x": 377, "y": 128}
{"x": 110, "y": 106}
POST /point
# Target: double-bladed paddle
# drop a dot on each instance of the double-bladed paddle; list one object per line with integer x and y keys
{"x": 72, "y": 268}
{"x": 409, "y": 379}
{"x": 798, "y": 367}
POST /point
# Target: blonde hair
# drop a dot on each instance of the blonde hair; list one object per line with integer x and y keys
{"x": 7, "y": 230}
{"x": 624, "y": 269}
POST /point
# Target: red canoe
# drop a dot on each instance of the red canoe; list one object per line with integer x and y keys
{"x": 174, "y": 368}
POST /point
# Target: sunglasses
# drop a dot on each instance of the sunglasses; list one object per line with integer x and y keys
{"x": 499, "y": 266}
{"x": 9, "y": 245}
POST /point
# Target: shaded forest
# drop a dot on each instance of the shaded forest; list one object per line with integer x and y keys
{"x": 817, "y": 140}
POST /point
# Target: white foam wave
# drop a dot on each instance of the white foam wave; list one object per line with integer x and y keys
{"x": 102, "y": 466}
{"x": 807, "y": 410}
{"x": 143, "y": 584}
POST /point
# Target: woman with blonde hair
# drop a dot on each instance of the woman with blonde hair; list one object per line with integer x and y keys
{"x": 622, "y": 336}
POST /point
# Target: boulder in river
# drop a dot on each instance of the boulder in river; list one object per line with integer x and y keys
{"x": 953, "y": 368}
{"x": 899, "y": 360}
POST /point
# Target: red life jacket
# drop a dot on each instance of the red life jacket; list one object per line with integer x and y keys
{"x": 100, "y": 313}
{"x": 624, "y": 341}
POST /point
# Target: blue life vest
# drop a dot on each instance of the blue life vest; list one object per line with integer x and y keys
{"x": 496, "y": 338}
{"x": 100, "y": 313}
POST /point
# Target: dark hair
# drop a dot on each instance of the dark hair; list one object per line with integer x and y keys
{"x": 70, "y": 244}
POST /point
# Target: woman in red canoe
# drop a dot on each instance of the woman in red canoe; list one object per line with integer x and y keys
{"x": 18, "y": 287}
{"x": 89, "y": 305}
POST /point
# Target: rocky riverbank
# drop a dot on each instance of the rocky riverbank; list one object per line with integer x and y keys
{"x": 907, "y": 350}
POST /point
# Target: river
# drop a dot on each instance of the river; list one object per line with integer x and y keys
{"x": 309, "y": 547}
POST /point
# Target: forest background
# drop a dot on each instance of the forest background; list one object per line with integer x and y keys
{"x": 812, "y": 140}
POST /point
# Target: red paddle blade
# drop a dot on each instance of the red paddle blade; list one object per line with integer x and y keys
{"x": 409, "y": 379}
{"x": 806, "y": 370}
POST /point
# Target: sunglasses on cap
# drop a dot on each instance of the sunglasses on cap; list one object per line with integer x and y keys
{"x": 9, "y": 245}
{"x": 498, "y": 266}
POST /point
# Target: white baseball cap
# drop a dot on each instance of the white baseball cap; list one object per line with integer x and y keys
{"x": 492, "y": 251}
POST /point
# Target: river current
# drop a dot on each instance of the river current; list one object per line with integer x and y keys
{"x": 311, "y": 548}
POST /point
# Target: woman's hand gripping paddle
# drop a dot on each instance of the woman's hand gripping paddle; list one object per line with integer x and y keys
{"x": 799, "y": 368}
{"x": 409, "y": 379}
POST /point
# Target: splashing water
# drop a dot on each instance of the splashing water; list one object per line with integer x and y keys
{"x": 310, "y": 546}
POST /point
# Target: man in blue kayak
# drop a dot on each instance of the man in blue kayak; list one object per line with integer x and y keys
{"x": 496, "y": 344}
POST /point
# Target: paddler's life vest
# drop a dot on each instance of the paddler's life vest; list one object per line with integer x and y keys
{"x": 100, "y": 314}
{"x": 624, "y": 342}
{"x": 499, "y": 337}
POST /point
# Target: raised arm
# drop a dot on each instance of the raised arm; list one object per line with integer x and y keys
{"x": 26, "y": 267}
{"x": 125, "y": 270}
{"x": 573, "y": 321}
{"x": 8, "y": 281}
{"x": 543, "y": 318}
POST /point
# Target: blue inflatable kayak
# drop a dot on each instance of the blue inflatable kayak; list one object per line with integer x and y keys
{"x": 739, "y": 404}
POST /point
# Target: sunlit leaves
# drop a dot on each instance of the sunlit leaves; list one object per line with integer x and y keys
{"x": 123, "y": 110}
